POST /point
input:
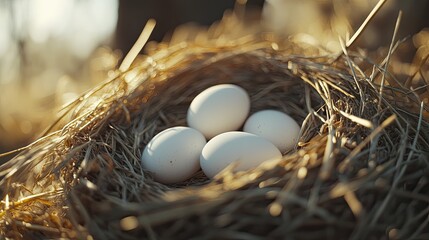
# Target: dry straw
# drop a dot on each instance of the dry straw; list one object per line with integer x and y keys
{"x": 360, "y": 170}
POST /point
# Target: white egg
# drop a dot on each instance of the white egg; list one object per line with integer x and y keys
{"x": 219, "y": 109}
{"x": 275, "y": 126}
{"x": 244, "y": 149}
{"x": 173, "y": 154}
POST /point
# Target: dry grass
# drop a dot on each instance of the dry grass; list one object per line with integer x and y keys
{"x": 359, "y": 171}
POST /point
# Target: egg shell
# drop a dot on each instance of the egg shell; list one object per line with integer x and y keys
{"x": 275, "y": 126}
{"x": 244, "y": 149}
{"x": 173, "y": 154}
{"x": 220, "y": 108}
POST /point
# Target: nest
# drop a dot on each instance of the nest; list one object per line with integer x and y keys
{"x": 359, "y": 170}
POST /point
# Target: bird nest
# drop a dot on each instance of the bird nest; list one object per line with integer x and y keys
{"x": 359, "y": 170}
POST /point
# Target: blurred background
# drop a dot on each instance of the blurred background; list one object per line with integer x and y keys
{"x": 53, "y": 50}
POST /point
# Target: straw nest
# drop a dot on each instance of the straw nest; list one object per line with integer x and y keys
{"x": 360, "y": 169}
